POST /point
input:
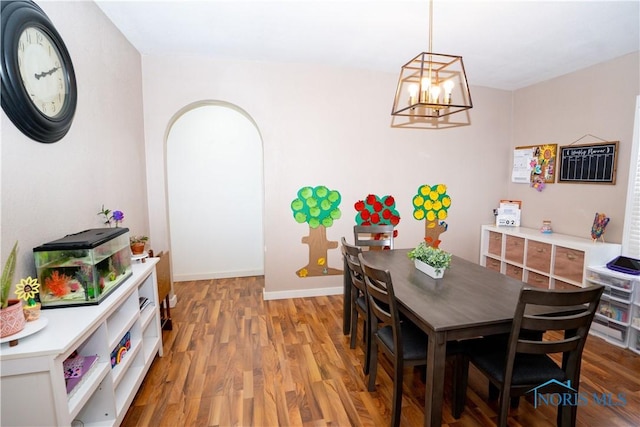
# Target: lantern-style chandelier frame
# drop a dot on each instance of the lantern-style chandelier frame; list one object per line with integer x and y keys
{"x": 431, "y": 87}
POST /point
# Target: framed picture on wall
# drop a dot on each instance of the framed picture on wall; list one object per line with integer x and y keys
{"x": 589, "y": 163}
{"x": 542, "y": 162}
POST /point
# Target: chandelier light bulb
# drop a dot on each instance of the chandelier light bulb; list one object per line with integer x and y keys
{"x": 448, "y": 88}
{"x": 413, "y": 93}
{"x": 435, "y": 94}
{"x": 424, "y": 89}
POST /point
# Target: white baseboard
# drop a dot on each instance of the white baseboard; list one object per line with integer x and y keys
{"x": 301, "y": 293}
{"x": 218, "y": 275}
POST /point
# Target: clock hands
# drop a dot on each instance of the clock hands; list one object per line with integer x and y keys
{"x": 46, "y": 73}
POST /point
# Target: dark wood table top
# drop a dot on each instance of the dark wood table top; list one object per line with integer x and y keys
{"x": 469, "y": 296}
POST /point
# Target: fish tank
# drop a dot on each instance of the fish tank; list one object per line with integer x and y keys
{"x": 82, "y": 268}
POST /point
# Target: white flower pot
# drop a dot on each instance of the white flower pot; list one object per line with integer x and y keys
{"x": 428, "y": 270}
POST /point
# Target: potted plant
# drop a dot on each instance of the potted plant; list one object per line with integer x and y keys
{"x": 11, "y": 316}
{"x": 431, "y": 261}
{"x": 137, "y": 244}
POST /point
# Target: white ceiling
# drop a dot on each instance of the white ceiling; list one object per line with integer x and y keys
{"x": 504, "y": 44}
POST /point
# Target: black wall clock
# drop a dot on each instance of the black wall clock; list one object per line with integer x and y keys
{"x": 39, "y": 92}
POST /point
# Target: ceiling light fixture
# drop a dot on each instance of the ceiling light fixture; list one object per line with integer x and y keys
{"x": 431, "y": 87}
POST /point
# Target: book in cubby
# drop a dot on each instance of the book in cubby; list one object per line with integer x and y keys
{"x": 76, "y": 369}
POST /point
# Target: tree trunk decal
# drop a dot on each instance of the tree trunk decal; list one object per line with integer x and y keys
{"x": 432, "y": 232}
{"x": 318, "y": 248}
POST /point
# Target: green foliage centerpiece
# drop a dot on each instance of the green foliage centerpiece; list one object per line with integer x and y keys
{"x": 427, "y": 256}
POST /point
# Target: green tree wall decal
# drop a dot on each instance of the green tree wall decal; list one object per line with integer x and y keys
{"x": 318, "y": 207}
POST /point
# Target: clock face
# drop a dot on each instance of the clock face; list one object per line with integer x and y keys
{"x": 41, "y": 71}
{"x": 39, "y": 90}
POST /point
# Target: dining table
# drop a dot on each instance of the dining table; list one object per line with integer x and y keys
{"x": 469, "y": 301}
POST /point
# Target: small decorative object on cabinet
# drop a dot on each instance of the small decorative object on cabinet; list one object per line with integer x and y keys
{"x": 137, "y": 244}
{"x": 599, "y": 225}
{"x": 12, "y": 318}
{"x": 102, "y": 395}
{"x": 618, "y": 307}
{"x": 27, "y": 290}
{"x": 431, "y": 261}
{"x": 546, "y": 227}
{"x": 552, "y": 261}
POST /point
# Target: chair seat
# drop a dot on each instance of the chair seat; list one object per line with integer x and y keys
{"x": 361, "y": 302}
{"x": 414, "y": 341}
{"x": 527, "y": 369}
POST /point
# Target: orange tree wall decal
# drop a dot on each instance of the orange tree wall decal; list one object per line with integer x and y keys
{"x": 431, "y": 205}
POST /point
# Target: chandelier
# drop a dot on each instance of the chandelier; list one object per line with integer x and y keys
{"x": 431, "y": 88}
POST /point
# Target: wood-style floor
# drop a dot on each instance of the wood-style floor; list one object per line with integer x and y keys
{"x": 233, "y": 359}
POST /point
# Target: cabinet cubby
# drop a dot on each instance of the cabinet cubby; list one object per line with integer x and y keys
{"x": 32, "y": 371}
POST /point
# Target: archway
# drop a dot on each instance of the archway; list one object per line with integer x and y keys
{"x": 215, "y": 191}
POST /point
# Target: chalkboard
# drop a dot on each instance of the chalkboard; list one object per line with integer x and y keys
{"x": 589, "y": 163}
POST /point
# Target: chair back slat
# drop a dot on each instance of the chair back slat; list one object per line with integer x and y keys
{"x": 355, "y": 270}
{"x": 548, "y": 347}
{"x": 558, "y": 297}
{"x": 350, "y": 254}
{"x": 382, "y": 301}
{"x": 379, "y": 236}
{"x": 547, "y": 323}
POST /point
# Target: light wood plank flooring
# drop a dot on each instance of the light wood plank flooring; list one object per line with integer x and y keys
{"x": 233, "y": 359}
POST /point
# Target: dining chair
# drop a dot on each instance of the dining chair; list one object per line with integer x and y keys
{"x": 401, "y": 341}
{"x": 522, "y": 365}
{"x": 359, "y": 304}
{"x": 373, "y": 236}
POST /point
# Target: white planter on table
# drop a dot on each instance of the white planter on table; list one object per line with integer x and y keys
{"x": 428, "y": 270}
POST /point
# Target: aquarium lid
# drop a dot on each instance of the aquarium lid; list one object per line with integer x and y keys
{"x": 87, "y": 239}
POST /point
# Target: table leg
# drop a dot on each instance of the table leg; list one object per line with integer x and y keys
{"x": 346, "y": 309}
{"x": 434, "y": 387}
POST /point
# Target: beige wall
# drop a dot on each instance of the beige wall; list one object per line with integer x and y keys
{"x": 330, "y": 126}
{"x": 599, "y": 101}
{"x": 51, "y": 190}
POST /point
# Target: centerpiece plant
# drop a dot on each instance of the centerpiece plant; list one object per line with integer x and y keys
{"x": 437, "y": 258}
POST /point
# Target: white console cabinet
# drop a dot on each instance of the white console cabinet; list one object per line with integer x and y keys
{"x": 551, "y": 261}
{"x": 32, "y": 379}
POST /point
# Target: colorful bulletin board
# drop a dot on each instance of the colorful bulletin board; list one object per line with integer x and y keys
{"x": 589, "y": 163}
{"x": 542, "y": 161}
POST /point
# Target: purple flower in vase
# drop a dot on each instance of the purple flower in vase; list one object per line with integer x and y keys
{"x": 117, "y": 216}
